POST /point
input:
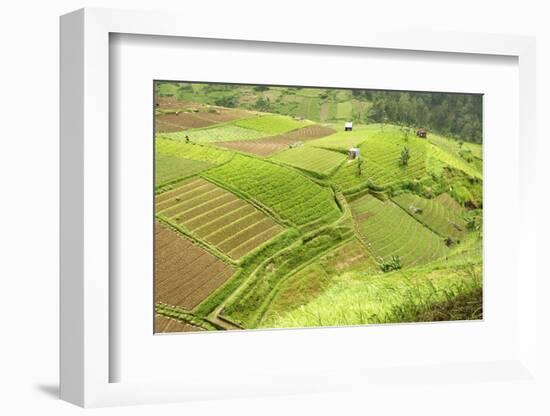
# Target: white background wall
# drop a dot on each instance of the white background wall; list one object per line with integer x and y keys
{"x": 29, "y": 56}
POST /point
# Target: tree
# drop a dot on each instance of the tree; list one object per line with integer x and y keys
{"x": 262, "y": 104}
{"x": 226, "y": 101}
{"x": 360, "y": 165}
{"x": 405, "y": 156}
{"x": 406, "y": 131}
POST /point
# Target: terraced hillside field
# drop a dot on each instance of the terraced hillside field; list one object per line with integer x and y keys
{"x": 172, "y": 115}
{"x": 308, "y": 283}
{"x": 271, "y": 124}
{"x": 288, "y": 193}
{"x": 217, "y": 216}
{"x": 263, "y": 221}
{"x": 388, "y": 230}
{"x": 221, "y": 133}
{"x": 381, "y": 152}
{"x": 185, "y": 274}
{"x": 342, "y": 140}
{"x": 268, "y": 145}
{"x": 172, "y": 122}
{"x": 312, "y": 159}
{"x": 168, "y": 147}
{"x": 415, "y": 296}
{"x": 440, "y": 158}
{"x": 169, "y": 168}
{"x": 165, "y": 324}
{"x": 448, "y": 202}
{"x": 436, "y": 216}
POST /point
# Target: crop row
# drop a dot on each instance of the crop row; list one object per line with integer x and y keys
{"x": 179, "y": 192}
{"x": 288, "y": 193}
{"x": 435, "y": 215}
{"x": 222, "y": 133}
{"x": 271, "y": 124}
{"x": 247, "y": 308}
{"x": 342, "y": 140}
{"x": 269, "y": 145}
{"x": 164, "y": 324}
{"x": 381, "y": 152}
{"x": 439, "y": 155}
{"x": 311, "y": 159}
{"x": 167, "y": 146}
{"x": 448, "y": 202}
{"x": 185, "y": 274}
{"x": 217, "y": 216}
{"x": 388, "y": 230}
{"x": 312, "y": 280}
{"x": 170, "y": 168}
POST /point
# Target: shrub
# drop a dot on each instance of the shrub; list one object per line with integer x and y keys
{"x": 389, "y": 266}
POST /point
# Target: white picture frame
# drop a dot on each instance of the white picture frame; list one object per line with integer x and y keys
{"x": 86, "y": 265}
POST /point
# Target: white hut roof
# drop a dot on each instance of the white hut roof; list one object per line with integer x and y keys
{"x": 348, "y": 124}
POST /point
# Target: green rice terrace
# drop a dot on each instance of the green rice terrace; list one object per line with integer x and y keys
{"x": 279, "y": 207}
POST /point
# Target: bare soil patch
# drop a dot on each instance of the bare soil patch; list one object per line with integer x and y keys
{"x": 269, "y": 145}
{"x": 185, "y": 274}
{"x": 165, "y": 324}
{"x": 168, "y": 123}
{"x": 182, "y": 115}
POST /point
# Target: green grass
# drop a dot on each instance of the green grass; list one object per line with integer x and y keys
{"x": 270, "y": 125}
{"x": 169, "y": 168}
{"x": 433, "y": 214}
{"x": 412, "y": 296}
{"x": 221, "y": 133}
{"x": 388, "y": 230}
{"x": 311, "y": 159}
{"x": 213, "y": 155}
{"x": 342, "y": 140}
{"x": 289, "y": 194}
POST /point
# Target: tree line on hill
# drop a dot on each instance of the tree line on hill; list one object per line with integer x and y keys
{"x": 457, "y": 115}
{"x": 451, "y": 114}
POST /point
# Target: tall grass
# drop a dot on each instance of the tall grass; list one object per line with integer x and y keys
{"x": 415, "y": 296}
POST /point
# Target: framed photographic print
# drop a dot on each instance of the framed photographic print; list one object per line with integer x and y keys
{"x": 271, "y": 225}
{"x": 289, "y": 207}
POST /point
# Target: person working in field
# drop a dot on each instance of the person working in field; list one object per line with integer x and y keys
{"x": 186, "y": 139}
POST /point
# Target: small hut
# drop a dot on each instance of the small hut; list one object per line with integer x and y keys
{"x": 348, "y": 126}
{"x": 422, "y": 132}
{"x": 353, "y": 153}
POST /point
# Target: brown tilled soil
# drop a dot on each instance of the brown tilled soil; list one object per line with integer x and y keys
{"x": 168, "y": 123}
{"x": 165, "y": 324}
{"x": 185, "y": 274}
{"x": 269, "y": 145}
{"x": 171, "y": 103}
{"x": 192, "y": 115}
